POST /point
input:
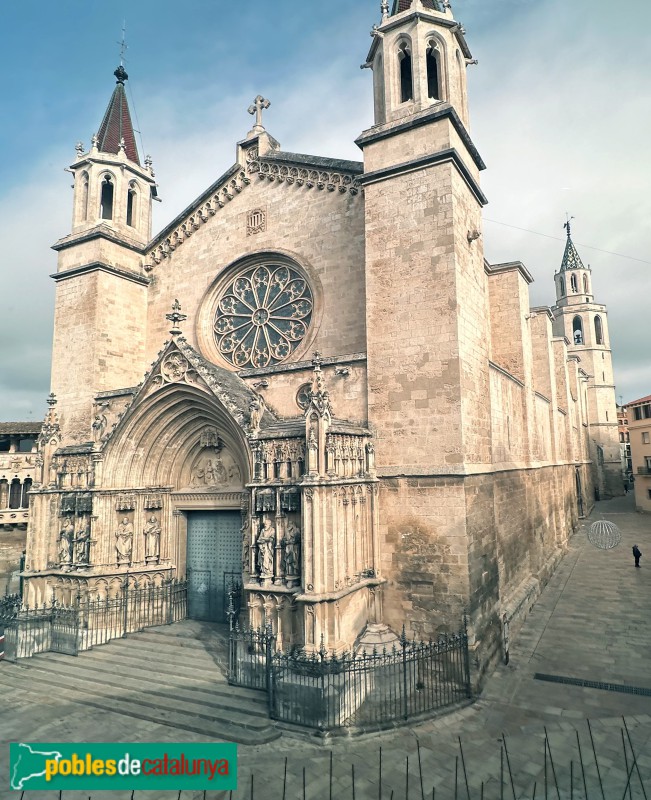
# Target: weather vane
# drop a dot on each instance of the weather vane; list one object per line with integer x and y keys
{"x": 123, "y": 45}
{"x": 566, "y": 225}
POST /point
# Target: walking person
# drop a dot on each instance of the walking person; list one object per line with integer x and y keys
{"x": 636, "y": 555}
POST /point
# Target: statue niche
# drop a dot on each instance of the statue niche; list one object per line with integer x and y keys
{"x": 214, "y": 469}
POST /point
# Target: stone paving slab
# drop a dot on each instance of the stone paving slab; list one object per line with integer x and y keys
{"x": 591, "y": 622}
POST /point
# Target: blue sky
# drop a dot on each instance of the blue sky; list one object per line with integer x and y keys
{"x": 559, "y": 108}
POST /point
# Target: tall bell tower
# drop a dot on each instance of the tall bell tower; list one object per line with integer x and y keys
{"x": 101, "y": 283}
{"x": 584, "y": 323}
{"x": 427, "y": 306}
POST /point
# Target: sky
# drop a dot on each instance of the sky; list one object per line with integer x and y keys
{"x": 559, "y": 110}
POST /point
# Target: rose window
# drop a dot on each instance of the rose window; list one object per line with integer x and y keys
{"x": 263, "y": 315}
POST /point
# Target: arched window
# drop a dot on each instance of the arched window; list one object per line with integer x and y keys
{"x": 378, "y": 78}
{"x": 15, "y": 492}
{"x": 598, "y": 331}
{"x": 83, "y": 200}
{"x": 4, "y": 493}
{"x": 106, "y": 203}
{"x": 406, "y": 76}
{"x": 132, "y": 205}
{"x": 433, "y": 78}
{"x": 577, "y": 330}
{"x": 585, "y": 284}
{"x": 574, "y": 283}
{"x": 27, "y": 485}
{"x": 562, "y": 287}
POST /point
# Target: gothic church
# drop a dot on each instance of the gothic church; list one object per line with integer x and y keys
{"x": 312, "y": 381}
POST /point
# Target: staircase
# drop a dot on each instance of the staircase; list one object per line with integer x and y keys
{"x": 172, "y": 675}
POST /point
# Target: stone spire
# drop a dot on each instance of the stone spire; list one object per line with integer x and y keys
{"x": 116, "y": 131}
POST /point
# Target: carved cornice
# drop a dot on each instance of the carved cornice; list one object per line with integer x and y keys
{"x": 311, "y": 177}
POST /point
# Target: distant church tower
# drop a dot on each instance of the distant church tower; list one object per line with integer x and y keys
{"x": 100, "y": 281}
{"x": 584, "y": 323}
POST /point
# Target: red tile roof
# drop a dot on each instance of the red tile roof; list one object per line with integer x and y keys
{"x": 646, "y": 399}
{"x": 117, "y": 123}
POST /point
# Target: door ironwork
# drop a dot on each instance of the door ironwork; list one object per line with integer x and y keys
{"x": 214, "y": 553}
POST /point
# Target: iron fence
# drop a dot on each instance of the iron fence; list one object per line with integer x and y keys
{"x": 359, "y": 690}
{"x": 327, "y": 692}
{"x": 71, "y": 628}
{"x": 250, "y": 655}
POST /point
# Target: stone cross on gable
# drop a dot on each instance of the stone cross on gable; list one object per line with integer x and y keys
{"x": 260, "y": 104}
{"x": 175, "y": 317}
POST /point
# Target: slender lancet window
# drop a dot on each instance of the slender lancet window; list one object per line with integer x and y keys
{"x": 106, "y": 204}
{"x": 83, "y": 201}
{"x": 577, "y": 330}
{"x": 406, "y": 74}
{"x": 132, "y": 201}
{"x": 433, "y": 85}
{"x": 562, "y": 287}
{"x": 574, "y": 283}
{"x": 598, "y": 331}
{"x": 585, "y": 284}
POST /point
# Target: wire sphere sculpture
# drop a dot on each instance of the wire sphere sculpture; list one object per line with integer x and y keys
{"x": 604, "y": 535}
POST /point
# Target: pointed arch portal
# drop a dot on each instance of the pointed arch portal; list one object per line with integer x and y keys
{"x": 183, "y": 440}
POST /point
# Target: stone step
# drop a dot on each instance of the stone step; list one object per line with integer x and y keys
{"x": 248, "y": 701}
{"x": 131, "y": 657}
{"x": 173, "y": 656}
{"x": 106, "y": 659}
{"x": 171, "y": 639}
{"x": 213, "y": 709}
{"x": 218, "y": 729}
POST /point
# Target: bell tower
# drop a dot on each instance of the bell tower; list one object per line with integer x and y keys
{"x": 419, "y": 58}
{"x": 111, "y": 187}
{"x": 584, "y": 323}
{"x": 427, "y": 307}
{"x": 101, "y": 283}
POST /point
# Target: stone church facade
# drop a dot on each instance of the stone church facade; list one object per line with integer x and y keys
{"x": 312, "y": 381}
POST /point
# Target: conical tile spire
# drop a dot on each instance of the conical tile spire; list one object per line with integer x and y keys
{"x": 116, "y": 129}
{"x": 571, "y": 257}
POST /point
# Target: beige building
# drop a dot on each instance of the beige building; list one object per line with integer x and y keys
{"x": 639, "y": 429}
{"x": 18, "y": 461}
{"x": 348, "y": 409}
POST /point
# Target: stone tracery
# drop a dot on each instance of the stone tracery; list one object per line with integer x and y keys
{"x": 263, "y": 315}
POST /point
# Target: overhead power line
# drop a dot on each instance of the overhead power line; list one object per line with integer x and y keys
{"x": 562, "y": 239}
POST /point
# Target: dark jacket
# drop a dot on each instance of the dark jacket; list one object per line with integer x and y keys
{"x": 637, "y": 552}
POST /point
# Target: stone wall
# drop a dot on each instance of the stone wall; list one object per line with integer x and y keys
{"x": 12, "y": 545}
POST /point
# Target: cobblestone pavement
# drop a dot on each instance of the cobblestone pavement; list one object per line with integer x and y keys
{"x": 591, "y": 622}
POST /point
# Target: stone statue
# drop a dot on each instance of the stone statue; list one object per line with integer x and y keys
{"x": 198, "y": 477}
{"x": 99, "y": 426}
{"x": 124, "y": 541}
{"x": 152, "y": 540}
{"x": 82, "y": 546}
{"x": 66, "y": 540}
{"x": 292, "y": 545}
{"x": 265, "y": 543}
{"x": 256, "y": 410}
{"x": 234, "y": 475}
